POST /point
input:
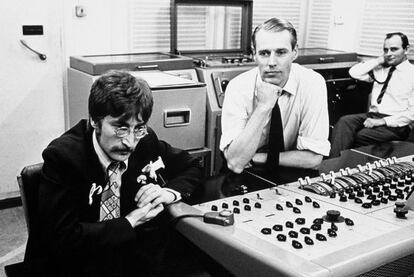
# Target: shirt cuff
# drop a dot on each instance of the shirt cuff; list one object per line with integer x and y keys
{"x": 177, "y": 195}
{"x": 318, "y": 146}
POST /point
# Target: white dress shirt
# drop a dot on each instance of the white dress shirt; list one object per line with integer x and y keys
{"x": 398, "y": 100}
{"x": 106, "y": 161}
{"x": 303, "y": 107}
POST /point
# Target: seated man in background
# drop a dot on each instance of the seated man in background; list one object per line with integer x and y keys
{"x": 254, "y": 130}
{"x": 392, "y": 99}
{"x": 104, "y": 186}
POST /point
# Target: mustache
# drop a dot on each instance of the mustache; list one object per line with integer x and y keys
{"x": 122, "y": 149}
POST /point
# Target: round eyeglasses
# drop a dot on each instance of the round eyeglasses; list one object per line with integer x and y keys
{"x": 139, "y": 132}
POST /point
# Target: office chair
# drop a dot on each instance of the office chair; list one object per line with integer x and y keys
{"x": 28, "y": 181}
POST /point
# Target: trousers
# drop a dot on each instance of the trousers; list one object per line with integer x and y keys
{"x": 349, "y": 132}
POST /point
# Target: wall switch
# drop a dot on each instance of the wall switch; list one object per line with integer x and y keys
{"x": 32, "y": 30}
{"x": 80, "y": 11}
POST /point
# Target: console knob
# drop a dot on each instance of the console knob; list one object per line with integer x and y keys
{"x": 400, "y": 210}
{"x": 332, "y": 215}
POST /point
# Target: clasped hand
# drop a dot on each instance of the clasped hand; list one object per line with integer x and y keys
{"x": 267, "y": 94}
{"x": 150, "y": 200}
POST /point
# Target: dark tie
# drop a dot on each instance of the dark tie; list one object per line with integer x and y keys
{"x": 110, "y": 203}
{"x": 276, "y": 144}
{"x": 384, "y": 87}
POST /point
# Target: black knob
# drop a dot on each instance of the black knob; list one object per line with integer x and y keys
{"x": 277, "y": 227}
{"x": 289, "y": 224}
{"x": 308, "y": 240}
{"x": 266, "y": 231}
{"x": 332, "y": 215}
{"x": 349, "y": 222}
{"x": 281, "y": 237}
{"x": 300, "y": 220}
{"x": 293, "y": 234}
{"x": 296, "y": 210}
{"x": 400, "y": 210}
{"x": 296, "y": 244}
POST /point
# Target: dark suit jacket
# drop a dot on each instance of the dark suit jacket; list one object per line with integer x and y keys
{"x": 71, "y": 236}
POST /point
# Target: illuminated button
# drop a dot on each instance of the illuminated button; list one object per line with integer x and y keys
{"x": 318, "y": 221}
{"x": 308, "y": 199}
{"x": 257, "y": 205}
{"x": 331, "y": 233}
{"x": 236, "y": 210}
{"x": 289, "y": 224}
{"x": 246, "y": 200}
{"x": 367, "y": 205}
{"x": 392, "y": 197}
{"x": 247, "y": 208}
{"x": 277, "y": 227}
{"x": 281, "y": 237}
{"x": 375, "y": 202}
{"x": 320, "y": 237}
{"x": 315, "y": 204}
{"x": 296, "y": 210}
{"x": 349, "y": 222}
{"x": 308, "y": 240}
{"x": 235, "y": 203}
{"x": 351, "y": 195}
{"x": 334, "y": 227}
{"x": 305, "y": 230}
{"x": 279, "y": 207}
{"x": 225, "y": 206}
{"x": 296, "y": 244}
{"x": 214, "y": 208}
{"x": 300, "y": 220}
{"x": 384, "y": 200}
{"x": 360, "y": 193}
{"x": 298, "y": 202}
{"x": 289, "y": 204}
{"x": 316, "y": 227}
{"x": 358, "y": 200}
{"x": 293, "y": 234}
{"x": 266, "y": 231}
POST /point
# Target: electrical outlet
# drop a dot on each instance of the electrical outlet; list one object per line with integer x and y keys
{"x": 80, "y": 11}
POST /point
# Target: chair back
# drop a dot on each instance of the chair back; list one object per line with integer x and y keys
{"x": 28, "y": 181}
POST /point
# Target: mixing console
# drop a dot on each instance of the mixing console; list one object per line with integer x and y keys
{"x": 340, "y": 224}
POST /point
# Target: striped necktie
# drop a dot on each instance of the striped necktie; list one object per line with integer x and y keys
{"x": 385, "y": 85}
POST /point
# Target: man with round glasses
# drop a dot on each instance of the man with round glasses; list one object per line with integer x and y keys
{"x": 104, "y": 185}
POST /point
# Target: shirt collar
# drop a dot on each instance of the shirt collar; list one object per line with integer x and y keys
{"x": 291, "y": 84}
{"x": 402, "y": 65}
{"x": 103, "y": 158}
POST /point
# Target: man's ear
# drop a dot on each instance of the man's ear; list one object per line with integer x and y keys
{"x": 93, "y": 123}
{"x": 295, "y": 52}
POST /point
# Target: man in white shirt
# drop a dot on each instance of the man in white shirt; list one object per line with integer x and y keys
{"x": 250, "y": 97}
{"x": 392, "y": 99}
